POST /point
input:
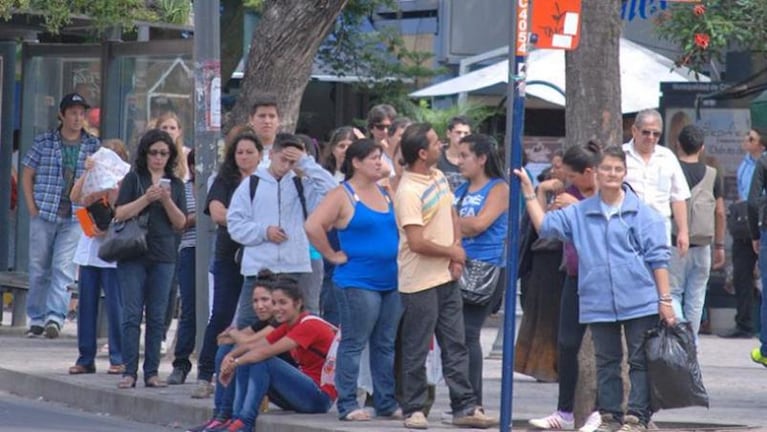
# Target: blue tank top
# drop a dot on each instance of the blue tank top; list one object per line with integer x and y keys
{"x": 487, "y": 246}
{"x": 371, "y": 242}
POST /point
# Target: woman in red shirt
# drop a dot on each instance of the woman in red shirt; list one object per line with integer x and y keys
{"x": 307, "y": 338}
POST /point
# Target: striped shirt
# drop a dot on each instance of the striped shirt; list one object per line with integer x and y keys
{"x": 45, "y": 157}
{"x": 189, "y": 237}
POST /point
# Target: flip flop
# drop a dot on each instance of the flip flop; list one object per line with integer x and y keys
{"x": 357, "y": 415}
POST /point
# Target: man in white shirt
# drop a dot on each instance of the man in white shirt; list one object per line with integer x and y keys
{"x": 656, "y": 176}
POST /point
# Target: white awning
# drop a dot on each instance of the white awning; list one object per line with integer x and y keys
{"x": 642, "y": 71}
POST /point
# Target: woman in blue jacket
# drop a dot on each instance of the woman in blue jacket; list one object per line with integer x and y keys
{"x": 623, "y": 280}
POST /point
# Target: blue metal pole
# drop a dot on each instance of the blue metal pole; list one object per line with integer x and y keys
{"x": 515, "y": 121}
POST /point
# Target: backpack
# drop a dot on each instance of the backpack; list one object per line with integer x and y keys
{"x": 328, "y": 376}
{"x": 296, "y": 181}
{"x": 701, "y": 207}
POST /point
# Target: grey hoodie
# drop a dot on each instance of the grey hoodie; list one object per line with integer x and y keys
{"x": 276, "y": 203}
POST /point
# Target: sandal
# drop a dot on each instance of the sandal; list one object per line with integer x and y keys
{"x": 127, "y": 382}
{"x": 82, "y": 369}
{"x": 155, "y": 382}
{"x": 357, "y": 415}
{"x": 116, "y": 370}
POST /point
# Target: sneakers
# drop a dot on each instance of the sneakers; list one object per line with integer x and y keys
{"x": 177, "y": 377}
{"x": 632, "y": 424}
{"x": 593, "y": 422}
{"x": 208, "y": 426}
{"x": 34, "y": 331}
{"x": 608, "y": 423}
{"x": 477, "y": 420}
{"x": 757, "y": 357}
{"x": 203, "y": 390}
{"x": 558, "y": 420}
{"x": 236, "y": 426}
{"x": 416, "y": 420}
{"x": 52, "y": 330}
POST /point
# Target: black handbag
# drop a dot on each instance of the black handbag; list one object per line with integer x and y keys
{"x": 478, "y": 282}
{"x": 126, "y": 240}
{"x": 737, "y": 220}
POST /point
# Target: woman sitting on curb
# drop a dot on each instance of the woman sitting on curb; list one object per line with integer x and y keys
{"x": 307, "y": 338}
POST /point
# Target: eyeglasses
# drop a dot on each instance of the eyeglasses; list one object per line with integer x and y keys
{"x": 158, "y": 153}
{"x": 381, "y": 126}
{"x": 655, "y": 134}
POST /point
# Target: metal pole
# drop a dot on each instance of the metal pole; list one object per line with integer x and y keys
{"x": 207, "y": 126}
{"x": 8, "y": 82}
{"x": 515, "y": 116}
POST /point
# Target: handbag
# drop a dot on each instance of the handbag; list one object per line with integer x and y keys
{"x": 478, "y": 282}
{"x": 126, "y": 240}
{"x": 737, "y": 220}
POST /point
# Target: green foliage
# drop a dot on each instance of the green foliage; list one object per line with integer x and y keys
{"x": 439, "y": 118}
{"x": 104, "y": 13}
{"x": 705, "y": 30}
{"x": 253, "y": 4}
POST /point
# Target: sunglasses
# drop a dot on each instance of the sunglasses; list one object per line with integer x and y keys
{"x": 158, "y": 153}
{"x": 647, "y": 133}
{"x": 381, "y": 126}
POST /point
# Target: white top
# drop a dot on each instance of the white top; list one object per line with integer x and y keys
{"x": 87, "y": 253}
{"x": 660, "y": 181}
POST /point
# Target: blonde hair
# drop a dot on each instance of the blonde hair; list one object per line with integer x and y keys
{"x": 181, "y": 169}
{"x": 117, "y": 146}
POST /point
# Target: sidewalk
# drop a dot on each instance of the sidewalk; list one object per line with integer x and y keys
{"x": 37, "y": 368}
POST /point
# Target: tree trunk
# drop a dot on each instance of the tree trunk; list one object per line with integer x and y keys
{"x": 593, "y": 110}
{"x": 232, "y": 21}
{"x": 281, "y": 55}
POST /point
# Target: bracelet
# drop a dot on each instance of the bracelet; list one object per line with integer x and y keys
{"x": 718, "y": 245}
{"x": 236, "y": 361}
{"x": 666, "y": 302}
{"x": 530, "y": 197}
{"x": 665, "y": 297}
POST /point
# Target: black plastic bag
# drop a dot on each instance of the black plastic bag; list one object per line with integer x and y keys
{"x": 672, "y": 367}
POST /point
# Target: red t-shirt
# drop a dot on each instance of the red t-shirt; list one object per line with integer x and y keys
{"x": 313, "y": 336}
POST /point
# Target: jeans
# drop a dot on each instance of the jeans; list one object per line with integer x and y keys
{"x": 51, "y": 269}
{"x": 223, "y": 398}
{"x": 437, "y": 311}
{"x": 311, "y": 285}
{"x": 571, "y": 333}
{"x": 145, "y": 285}
{"x": 286, "y": 386}
{"x": 187, "y": 321}
{"x": 328, "y": 303}
{"x": 227, "y": 284}
{"x": 367, "y": 316}
{"x": 688, "y": 276}
{"x": 474, "y": 317}
{"x": 608, "y": 348}
{"x": 763, "y": 309}
{"x": 92, "y": 281}
{"x": 743, "y": 260}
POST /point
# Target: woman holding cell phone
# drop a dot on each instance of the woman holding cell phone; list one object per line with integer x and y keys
{"x": 151, "y": 189}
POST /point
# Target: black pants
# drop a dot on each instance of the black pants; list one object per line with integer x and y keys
{"x": 743, "y": 261}
{"x": 570, "y": 337}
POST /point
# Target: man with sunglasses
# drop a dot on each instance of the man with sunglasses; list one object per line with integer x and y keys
{"x": 656, "y": 176}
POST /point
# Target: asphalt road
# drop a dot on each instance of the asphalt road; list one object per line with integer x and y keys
{"x": 24, "y": 415}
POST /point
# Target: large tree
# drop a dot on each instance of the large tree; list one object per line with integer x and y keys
{"x": 280, "y": 59}
{"x": 593, "y": 110}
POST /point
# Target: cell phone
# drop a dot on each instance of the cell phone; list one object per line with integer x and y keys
{"x": 165, "y": 183}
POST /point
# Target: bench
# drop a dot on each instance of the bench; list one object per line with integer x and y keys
{"x": 17, "y": 284}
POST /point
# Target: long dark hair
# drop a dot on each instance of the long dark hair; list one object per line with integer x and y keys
{"x": 229, "y": 171}
{"x": 147, "y": 140}
{"x": 341, "y": 134}
{"x": 359, "y": 150}
{"x": 580, "y": 158}
{"x": 485, "y": 145}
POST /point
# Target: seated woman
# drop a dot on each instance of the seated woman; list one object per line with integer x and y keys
{"x": 307, "y": 338}
{"x": 263, "y": 306}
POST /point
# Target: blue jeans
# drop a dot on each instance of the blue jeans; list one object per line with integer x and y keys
{"x": 92, "y": 281}
{"x": 286, "y": 386}
{"x": 145, "y": 285}
{"x": 51, "y": 269}
{"x": 223, "y": 399}
{"x": 608, "y": 348}
{"x": 367, "y": 317}
{"x": 187, "y": 320}
{"x": 763, "y": 309}
{"x": 688, "y": 276}
{"x": 227, "y": 284}
{"x": 328, "y": 303}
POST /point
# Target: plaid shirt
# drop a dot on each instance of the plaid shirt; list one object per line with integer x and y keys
{"x": 45, "y": 158}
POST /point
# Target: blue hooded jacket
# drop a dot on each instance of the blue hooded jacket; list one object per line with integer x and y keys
{"x": 617, "y": 256}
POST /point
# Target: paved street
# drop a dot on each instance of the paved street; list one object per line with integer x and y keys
{"x": 18, "y": 414}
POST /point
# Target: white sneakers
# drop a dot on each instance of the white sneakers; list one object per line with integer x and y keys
{"x": 593, "y": 422}
{"x": 561, "y": 420}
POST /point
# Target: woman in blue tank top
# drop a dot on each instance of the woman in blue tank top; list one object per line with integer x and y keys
{"x": 365, "y": 277}
{"x": 482, "y": 204}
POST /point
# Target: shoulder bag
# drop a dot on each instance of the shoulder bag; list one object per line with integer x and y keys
{"x": 126, "y": 240}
